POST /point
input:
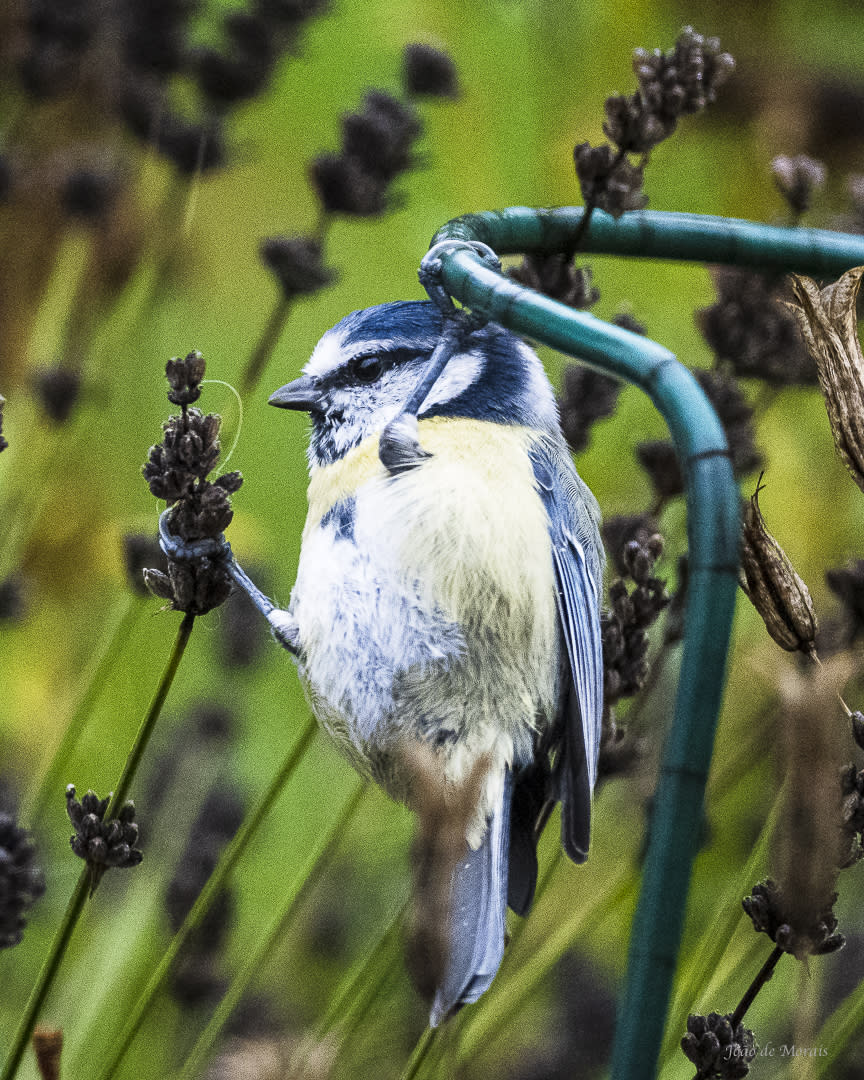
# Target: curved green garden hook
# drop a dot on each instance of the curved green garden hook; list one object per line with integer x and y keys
{"x": 712, "y": 518}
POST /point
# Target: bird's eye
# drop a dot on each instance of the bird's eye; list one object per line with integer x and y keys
{"x": 368, "y": 369}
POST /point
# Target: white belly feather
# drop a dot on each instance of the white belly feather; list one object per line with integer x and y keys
{"x": 436, "y": 618}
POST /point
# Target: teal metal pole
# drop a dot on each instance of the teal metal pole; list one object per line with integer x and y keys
{"x": 712, "y": 521}
{"x": 656, "y": 234}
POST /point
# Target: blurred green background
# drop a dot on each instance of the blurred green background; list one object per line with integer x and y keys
{"x": 533, "y": 78}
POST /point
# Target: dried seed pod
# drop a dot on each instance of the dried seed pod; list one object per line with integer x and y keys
{"x": 773, "y": 586}
{"x": 829, "y": 323}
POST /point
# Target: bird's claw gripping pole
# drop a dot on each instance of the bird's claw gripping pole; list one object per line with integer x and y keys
{"x": 712, "y": 517}
{"x": 399, "y": 446}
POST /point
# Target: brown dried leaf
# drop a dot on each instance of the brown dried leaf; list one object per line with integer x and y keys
{"x": 829, "y": 323}
{"x": 810, "y": 844}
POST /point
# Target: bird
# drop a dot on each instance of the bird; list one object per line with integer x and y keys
{"x": 451, "y": 600}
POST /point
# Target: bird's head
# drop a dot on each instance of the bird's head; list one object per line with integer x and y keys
{"x": 365, "y": 368}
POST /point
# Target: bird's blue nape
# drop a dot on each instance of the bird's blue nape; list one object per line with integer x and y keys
{"x": 417, "y": 321}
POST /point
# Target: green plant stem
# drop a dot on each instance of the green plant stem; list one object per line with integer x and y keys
{"x": 700, "y": 980}
{"x": 348, "y": 1001}
{"x": 85, "y": 881}
{"x": 588, "y": 210}
{"x": 418, "y": 1056}
{"x": 217, "y": 879}
{"x": 49, "y": 787}
{"x": 764, "y": 974}
{"x": 493, "y": 1015}
{"x": 47, "y": 974}
{"x": 314, "y": 868}
{"x": 265, "y": 345}
{"x": 149, "y": 722}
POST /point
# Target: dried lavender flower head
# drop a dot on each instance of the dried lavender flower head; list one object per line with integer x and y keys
{"x": 608, "y": 181}
{"x": 716, "y": 1048}
{"x": 102, "y": 843}
{"x": 21, "y": 882}
{"x": 751, "y": 331}
{"x": 587, "y": 396}
{"x": 429, "y": 72}
{"x": 58, "y": 389}
{"x": 636, "y": 549}
{"x": 297, "y": 263}
{"x": 87, "y": 194}
{"x": 798, "y": 179}
{"x": 184, "y": 377}
{"x": 671, "y": 84}
{"x": 177, "y": 471}
{"x": 555, "y": 275}
{"x": 684, "y": 80}
{"x": 377, "y": 147}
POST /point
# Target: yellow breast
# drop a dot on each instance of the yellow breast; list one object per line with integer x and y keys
{"x": 467, "y": 523}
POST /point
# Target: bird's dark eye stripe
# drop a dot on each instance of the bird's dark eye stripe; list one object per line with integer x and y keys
{"x": 368, "y": 362}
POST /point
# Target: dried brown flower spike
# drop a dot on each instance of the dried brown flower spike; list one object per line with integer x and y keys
{"x": 48, "y": 1046}
{"x": 773, "y": 586}
{"x": 829, "y": 323}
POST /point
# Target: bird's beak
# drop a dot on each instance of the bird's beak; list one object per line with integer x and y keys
{"x": 302, "y": 394}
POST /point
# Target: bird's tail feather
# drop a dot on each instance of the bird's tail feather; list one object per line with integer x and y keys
{"x": 478, "y": 905}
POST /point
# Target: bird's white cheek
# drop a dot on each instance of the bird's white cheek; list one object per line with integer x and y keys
{"x": 461, "y": 372}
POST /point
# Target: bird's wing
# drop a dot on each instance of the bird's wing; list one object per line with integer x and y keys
{"x": 577, "y": 558}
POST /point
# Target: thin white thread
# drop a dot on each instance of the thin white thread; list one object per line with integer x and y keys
{"x": 221, "y": 382}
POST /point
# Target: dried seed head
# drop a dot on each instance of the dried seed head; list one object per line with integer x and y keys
{"x": 21, "y": 882}
{"x": 101, "y": 843}
{"x": 297, "y": 263}
{"x": 344, "y": 187}
{"x": 829, "y": 323}
{"x": 58, "y": 389}
{"x": 607, "y": 180}
{"x": 716, "y": 1048}
{"x": 586, "y": 397}
{"x": 773, "y": 586}
{"x": 752, "y": 332}
{"x": 797, "y": 178}
{"x": 184, "y": 377}
{"x": 3, "y": 442}
{"x": 771, "y": 914}
{"x": 429, "y": 72}
{"x": 555, "y": 275}
{"x": 624, "y": 626}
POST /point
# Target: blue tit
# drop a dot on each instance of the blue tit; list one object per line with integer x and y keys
{"x": 454, "y": 602}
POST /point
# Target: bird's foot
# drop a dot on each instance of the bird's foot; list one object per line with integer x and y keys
{"x": 399, "y": 445}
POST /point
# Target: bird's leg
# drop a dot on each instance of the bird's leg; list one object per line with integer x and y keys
{"x": 399, "y": 445}
{"x": 282, "y": 624}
